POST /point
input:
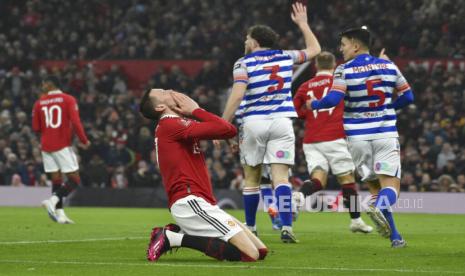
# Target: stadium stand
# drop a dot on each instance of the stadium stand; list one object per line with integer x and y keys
{"x": 432, "y": 131}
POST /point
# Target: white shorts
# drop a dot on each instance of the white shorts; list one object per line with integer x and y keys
{"x": 374, "y": 157}
{"x": 197, "y": 217}
{"x": 63, "y": 160}
{"x": 267, "y": 142}
{"x": 331, "y": 154}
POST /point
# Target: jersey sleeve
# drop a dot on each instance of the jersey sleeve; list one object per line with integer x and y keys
{"x": 401, "y": 83}
{"x": 73, "y": 110}
{"x": 339, "y": 82}
{"x": 209, "y": 127}
{"x": 297, "y": 56}
{"x": 240, "y": 72}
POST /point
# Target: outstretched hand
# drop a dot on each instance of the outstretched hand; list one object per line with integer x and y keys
{"x": 84, "y": 146}
{"x": 299, "y": 13}
{"x": 383, "y": 55}
{"x": 184, "y": 104}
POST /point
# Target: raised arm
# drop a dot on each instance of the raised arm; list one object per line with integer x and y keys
{"x": 240, "y": 79}
{"x": 234, "y": 100}
{"x": 299, "y": 16}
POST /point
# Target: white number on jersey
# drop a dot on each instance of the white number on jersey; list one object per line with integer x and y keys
{"x": 196, "y": 148}
{"x": 312, "y": 96}
{"x": 51, "y": 119}
{"x": 156, "y": 151}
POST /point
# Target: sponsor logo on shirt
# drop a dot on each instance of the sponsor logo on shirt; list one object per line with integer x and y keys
{"x": 382, "y": 166}
{"x": 283, "y": 154}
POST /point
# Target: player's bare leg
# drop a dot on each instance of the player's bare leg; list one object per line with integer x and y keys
{"x": 283, "y": 190}
{"x": 351, "y": 201}
{"x": 242, "y": 241}
{"x": 251, "y": 194}
{"x": 261, "y": 247}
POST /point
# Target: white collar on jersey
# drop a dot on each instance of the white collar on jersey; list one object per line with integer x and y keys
{"x": 324, "y": 73}
{"x": 53, "y": 92}
{"x": 169, "y": 116}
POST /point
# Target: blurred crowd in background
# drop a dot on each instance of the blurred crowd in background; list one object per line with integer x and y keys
{"x": 432, "y": 131}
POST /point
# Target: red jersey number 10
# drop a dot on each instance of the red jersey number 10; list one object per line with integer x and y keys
{"x": 52, "y": 116}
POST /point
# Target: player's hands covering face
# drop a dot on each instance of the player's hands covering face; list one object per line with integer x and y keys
{"x": 184, "y": 104}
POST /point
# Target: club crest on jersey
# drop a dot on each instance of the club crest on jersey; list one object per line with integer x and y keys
{"x": 185, "y": 122}
{"x": 231, "y": 223}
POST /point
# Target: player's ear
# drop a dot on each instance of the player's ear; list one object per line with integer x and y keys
{"x": 254, "y": 43}
{"x": 356, "y": 46}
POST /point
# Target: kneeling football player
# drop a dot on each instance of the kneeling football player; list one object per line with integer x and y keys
{"x": 200, "y": 223}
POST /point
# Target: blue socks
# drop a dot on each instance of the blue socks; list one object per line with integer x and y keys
{"x": 251, "y": 197}
{"x": 283, "y": 194}
{"x": 267, "y": 195}
{"x": 386, "y": 198}
{"x": 394, "y": 234}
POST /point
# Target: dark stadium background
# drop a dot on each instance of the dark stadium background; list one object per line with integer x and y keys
{"x": 106, "y": 53}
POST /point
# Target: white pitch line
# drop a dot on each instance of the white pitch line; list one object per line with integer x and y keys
{"x": 307, "y": 268}
{"x": 88, "y": 240}
{"x": 68, "y": 241}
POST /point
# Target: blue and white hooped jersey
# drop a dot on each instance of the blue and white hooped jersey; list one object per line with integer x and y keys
{"x": 238, "y": 114}
{"x": 268, "y": 75}
{"x": 369, "y": 83}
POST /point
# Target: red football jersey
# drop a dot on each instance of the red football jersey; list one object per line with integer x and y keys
{"x": 56, "y": 117}
{"x": 324, "y": 124}
{"x": 182, "y": 164}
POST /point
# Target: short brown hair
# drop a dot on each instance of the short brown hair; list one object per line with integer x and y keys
{"x": 264, "y": 35}
{"x": 147, "y": 107}
{"x": 325, "y": 61}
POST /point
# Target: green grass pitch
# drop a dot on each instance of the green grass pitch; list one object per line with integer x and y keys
{"x": 112, "y": 241}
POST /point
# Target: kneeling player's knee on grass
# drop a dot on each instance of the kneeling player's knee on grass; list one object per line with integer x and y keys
{"x": 251, "y": 253}
{"x": 245, "y": 245}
